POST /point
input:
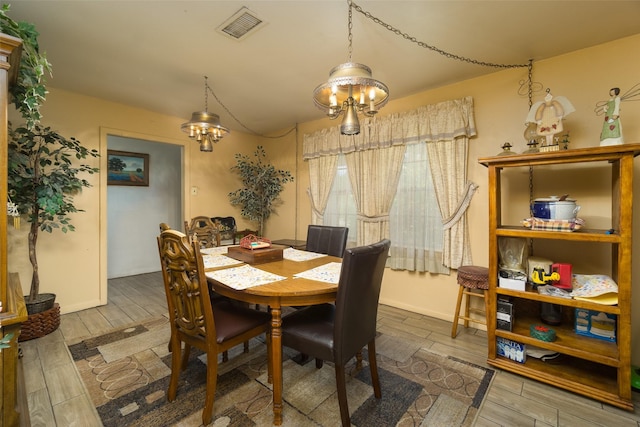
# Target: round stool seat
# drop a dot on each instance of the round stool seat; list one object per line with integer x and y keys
{"x": 473, "y": 277}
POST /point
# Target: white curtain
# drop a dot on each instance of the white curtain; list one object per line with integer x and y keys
{"x": 447, "y": 124}
{"x": 374, "y": 177}
{"x": 448, "y": 162}
{"x": 416, "y": 226}
{"x": 320, "y": 149}
{"x": 451, "y": 125}
{"x": 321, "y": 173}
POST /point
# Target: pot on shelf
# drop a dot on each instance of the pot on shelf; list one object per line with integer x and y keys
{"x": 554, "y": 207}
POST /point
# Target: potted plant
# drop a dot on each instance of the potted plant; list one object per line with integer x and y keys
{"x": 262, "y": 184}
{"x": 42, "y": 181}
{"x": 42, "y": 177}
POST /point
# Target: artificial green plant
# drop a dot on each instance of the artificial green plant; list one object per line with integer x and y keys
{"x": 262, "y": 184}
{"x": 43, "y": 174}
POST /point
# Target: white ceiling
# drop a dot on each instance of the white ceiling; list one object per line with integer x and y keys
{"x": 154, "y": 54}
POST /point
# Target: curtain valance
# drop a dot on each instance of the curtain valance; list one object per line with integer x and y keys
{"x": 446, "y": 120}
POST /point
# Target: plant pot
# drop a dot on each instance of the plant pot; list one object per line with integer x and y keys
{"x": 40, "y": 324}
{"x": 42, "y": 302}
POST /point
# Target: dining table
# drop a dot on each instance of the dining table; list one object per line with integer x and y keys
{"x": 289, "y": 290}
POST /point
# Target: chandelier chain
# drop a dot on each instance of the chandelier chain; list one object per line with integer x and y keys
{"x": 208, "y": 89}
{"x": 530, "y": 95}
{"x": 350, "y": 27}
{"x": 530, "y": 83}
{"x": 206, "y": 94}
{"x": 433, "y": 48}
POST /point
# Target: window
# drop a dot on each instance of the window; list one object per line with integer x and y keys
{"x": 341, "y": 208}
{"x": 415, "y": 221}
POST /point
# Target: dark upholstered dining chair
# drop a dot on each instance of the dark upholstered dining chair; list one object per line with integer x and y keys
{"x": 338, "y": 332}
{"x": 327, "y": 240}
{"x": 194, "y": 320}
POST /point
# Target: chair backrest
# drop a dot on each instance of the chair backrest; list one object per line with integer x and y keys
{"x": 185, "y": 285}
{"x": 357, "y": 298}
{"x": 204, "y": 230}
{"x": 325, "y": 239}
{"x": 226, "y": 226}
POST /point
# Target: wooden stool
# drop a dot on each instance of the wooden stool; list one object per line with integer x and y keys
{"x": 474, "y": 282}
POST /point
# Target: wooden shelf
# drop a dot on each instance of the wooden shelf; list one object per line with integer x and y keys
{"x": 567, "y": 342}
{"x": 588, "y": 366}
{"x": 535, "y": 296}
{"x": 585, "y": 235}
{"x": 601, "y": 383}
{"x": 14, "y": 311}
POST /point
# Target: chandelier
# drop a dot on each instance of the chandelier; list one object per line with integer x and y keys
{"x": 204, "y": 126}
{"x": 350, "y": 90}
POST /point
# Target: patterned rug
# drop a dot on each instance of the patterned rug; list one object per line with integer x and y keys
{"x": 127, "y": 373}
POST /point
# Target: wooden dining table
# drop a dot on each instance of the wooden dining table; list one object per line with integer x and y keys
{"x": 292, "y": 291}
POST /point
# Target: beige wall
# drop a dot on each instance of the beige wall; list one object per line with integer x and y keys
{"x": 74, "y": 265}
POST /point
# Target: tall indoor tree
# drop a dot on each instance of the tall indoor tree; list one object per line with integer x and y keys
{"x": 262, "y": 185}
{"x": 44, "y": 174}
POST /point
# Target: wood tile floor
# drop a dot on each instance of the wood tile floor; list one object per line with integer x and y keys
{"x": 56, "y": 395}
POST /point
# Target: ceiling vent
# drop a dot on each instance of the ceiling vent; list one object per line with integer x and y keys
{"x": 242, "y": 24}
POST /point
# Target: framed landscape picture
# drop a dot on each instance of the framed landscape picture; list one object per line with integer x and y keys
{"x": 125, "y": 168}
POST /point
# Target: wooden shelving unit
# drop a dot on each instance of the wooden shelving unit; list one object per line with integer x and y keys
{"x": 594, "y": 368}
{"x": 14, "y": 311}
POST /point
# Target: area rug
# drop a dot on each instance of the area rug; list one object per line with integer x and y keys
{"x": 127, "y": 373}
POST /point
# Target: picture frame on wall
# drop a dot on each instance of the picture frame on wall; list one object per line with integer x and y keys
{"x": 127, "y": 168}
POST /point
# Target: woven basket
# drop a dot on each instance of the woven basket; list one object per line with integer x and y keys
{"x": 41, "y": 324}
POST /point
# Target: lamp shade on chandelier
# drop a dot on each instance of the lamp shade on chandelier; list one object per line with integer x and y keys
{"x": 350, "y": 90}
{"x": 205, "y": 127}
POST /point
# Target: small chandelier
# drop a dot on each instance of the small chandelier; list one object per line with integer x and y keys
{"x": 350, "y": 90}
{"x": 204, "y": 126}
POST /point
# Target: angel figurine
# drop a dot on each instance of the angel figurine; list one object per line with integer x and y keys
{"x": 548, "y": 115}
{"x": 612, "y": 127}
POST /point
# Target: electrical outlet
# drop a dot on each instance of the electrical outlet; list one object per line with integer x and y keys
{"x": 194, "y": 191}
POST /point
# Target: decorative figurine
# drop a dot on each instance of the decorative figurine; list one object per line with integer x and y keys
{"x": 506, "y": 150}
{"x": 548, "y": 115}
{"x": 565, "y": 141}
{"x": 612, "y": 127}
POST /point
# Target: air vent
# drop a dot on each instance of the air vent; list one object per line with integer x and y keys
{"x": 241, "y": 24}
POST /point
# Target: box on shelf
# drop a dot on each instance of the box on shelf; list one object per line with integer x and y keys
{"x": 511, "y": 350}
{"x": 514, "y": 284}
{"x": 595, "y": 324}
{"x": 504, "y": 315}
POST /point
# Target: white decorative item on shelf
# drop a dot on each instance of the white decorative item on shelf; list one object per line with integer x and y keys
{"x": 12, "y": 210}
{"x": 548, "y": 115}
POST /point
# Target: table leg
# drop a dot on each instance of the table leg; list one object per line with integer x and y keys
{"x": 276, "y": 359}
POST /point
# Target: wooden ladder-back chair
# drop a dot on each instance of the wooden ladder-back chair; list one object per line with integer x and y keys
{"x": 338, "y": 332}
{"x": 195, "y": 321}
{"x": 215, "y": 297}
{"x": 204, "y": 229}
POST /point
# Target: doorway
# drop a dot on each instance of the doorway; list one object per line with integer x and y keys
{"x": 135, "y": 212}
